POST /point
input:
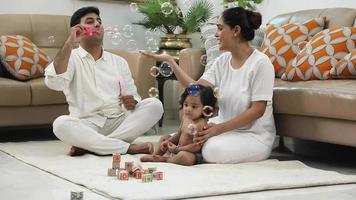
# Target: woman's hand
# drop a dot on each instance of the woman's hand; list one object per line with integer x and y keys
{"x": 158, "y": 57}
{"x": 208, "y": 131}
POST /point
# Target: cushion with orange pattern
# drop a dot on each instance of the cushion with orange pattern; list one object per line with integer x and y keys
{"x": 281, "y": 42}
{"x": 320, "y": 54}
{"x": 22, "y": 58}
{"x": 346, "y": 67}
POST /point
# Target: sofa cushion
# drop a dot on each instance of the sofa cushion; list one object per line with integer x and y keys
{"x": 41, "y": 95}
{"x": 22, "y": 58}
{"x": 14, "y": 93}
{"x": 330, "y": 98}
{"x": 281, "y": 43}
{"x": 346, "y": 67}
{"x": 321, "y": 54}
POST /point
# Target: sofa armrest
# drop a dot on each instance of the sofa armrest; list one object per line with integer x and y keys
{"x": 140, "y": 69}
{"x": 189, "y": 61}
{"x": 144, "y": 80}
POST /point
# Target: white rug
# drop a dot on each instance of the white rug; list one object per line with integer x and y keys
{"x": 179, "y": 181}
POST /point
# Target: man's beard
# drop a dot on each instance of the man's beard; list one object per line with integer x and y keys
{"x": 94, "y": 41}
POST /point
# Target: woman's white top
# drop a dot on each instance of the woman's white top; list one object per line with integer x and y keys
{"x": 238, "y": 88}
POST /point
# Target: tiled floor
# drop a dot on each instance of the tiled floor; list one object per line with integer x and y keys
{"x": 21, "y": 181}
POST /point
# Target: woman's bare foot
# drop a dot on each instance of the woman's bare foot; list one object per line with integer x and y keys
{"x": 76, "y": 151}
{"x": 153, "y": 158}
{"x": 146, "y": 148}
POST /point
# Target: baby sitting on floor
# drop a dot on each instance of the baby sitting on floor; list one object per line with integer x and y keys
{"x": 197, "y": 104}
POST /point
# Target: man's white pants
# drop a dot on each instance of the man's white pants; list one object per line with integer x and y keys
{"x": 116, "y": 134}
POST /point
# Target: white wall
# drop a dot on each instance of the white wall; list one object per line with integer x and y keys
{"x": 118, "y": 13}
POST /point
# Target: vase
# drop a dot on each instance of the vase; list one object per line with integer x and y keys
{"x": 171, "y": 44}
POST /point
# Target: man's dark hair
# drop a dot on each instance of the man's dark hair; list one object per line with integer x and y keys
{"x": 81, "y": 12}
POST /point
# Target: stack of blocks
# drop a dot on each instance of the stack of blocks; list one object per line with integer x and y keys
{"x": 133, "y": 170}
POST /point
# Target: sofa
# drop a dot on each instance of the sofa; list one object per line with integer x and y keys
{"x": 318, "y": 110}
{"x": 30, "y": 103}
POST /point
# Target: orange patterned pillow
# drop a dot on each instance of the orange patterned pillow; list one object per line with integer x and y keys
{"x": 320, "y": 54}
{"x": 281, "y": 43}
{"x": 23, "y": 59}
{"x": 346, "y": 67}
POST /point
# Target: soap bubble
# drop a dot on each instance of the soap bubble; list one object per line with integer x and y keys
{"x": 179, "y": 12}
{"x": 216, "y": 92}
{"x": 193, "y": 89}
{"x": 51, "y": 39}
{"x": 203, "y": 59}
{"x": 167, "y": 8}
{"x": 116, "y": 29}
{"x": 192, "y": 129}
{"x": 153, "y": 92}
{"x": 109, "y": 31}
{"x": 133, "y": 7}
{"x": 208, "y": 111}
{"x": 127, "y": 31}
{"x": 152, "y": 45}
{"x": 157, "y": 32}
{"x": 165, "y": 69}
{"x": 148, "y": 34}
{"x": 154, "y": 71}
{"x": 116, "y": 38}
{"x": 132, "y": 45}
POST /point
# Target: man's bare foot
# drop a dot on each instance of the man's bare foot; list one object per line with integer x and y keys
{"x": 153, "y": 158}
{"x": 146, "y": 148}
{"x": 76, "y": 151}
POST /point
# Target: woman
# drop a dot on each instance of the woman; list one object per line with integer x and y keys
{"x": 244, "y": 129}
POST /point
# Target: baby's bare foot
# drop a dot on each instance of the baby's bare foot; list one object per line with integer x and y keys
{"x": 146, "y": 148}
{"x": 153, "y": 158}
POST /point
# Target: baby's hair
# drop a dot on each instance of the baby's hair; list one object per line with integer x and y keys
{"x": 206, "y": 94}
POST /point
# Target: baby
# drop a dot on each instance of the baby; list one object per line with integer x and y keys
{"x": 197, "y": 104}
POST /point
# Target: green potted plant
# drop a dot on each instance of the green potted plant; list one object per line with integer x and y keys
{"x": 247, "y": 4}
{"x": 167, "y": 16}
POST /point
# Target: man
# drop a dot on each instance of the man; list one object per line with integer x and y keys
{"x": 99, "y": 89}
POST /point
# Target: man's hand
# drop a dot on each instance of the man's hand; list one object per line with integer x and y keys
{"x": 76, "y": 33}
{"x": 129, "y": 102}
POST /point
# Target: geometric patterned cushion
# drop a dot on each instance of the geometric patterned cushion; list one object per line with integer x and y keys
{"x": 23, "y": 59}
{"x": 258, "y": 39}
{"x": 321, "y": 54}
{"x": 281, "y": 42}
{"x": 346, "y": 67}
